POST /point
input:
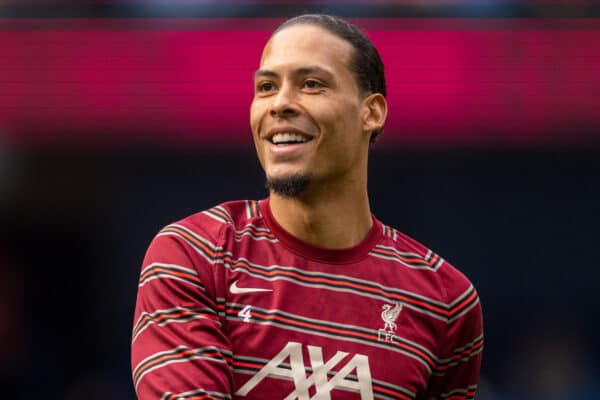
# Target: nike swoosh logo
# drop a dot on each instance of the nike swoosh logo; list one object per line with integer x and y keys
{"x": 235, "y": 289}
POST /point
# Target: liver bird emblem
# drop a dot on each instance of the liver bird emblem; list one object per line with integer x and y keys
{"x": 389, "y": 315}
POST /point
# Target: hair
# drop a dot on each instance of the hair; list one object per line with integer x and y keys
{"x": 365, "y": 63}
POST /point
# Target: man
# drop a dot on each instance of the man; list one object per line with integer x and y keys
{"x": 305, "y": 295}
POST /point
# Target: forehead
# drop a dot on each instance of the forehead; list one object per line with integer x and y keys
{"x": 303, "y": 44}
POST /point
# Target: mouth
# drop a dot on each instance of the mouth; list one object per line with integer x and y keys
{"x": 289, "y": 138}
{"x": 281, "y": 137}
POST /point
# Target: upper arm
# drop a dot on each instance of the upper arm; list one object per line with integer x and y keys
{"x": 460, "y": 350}
{"x": 178, "y": 345}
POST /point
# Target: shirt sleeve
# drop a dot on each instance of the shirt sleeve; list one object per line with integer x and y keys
{"x": 457, "y": 373}
{"x": 178, "y": 346}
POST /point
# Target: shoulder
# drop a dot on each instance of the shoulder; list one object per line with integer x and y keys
{"x": 213, "y": 221}
{"x": 236, "y": 213}
{"x": 206, "y": 231}
{"x": 444, "y": 281}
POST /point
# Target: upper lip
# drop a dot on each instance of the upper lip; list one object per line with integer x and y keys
{"x": 272, "y": 132}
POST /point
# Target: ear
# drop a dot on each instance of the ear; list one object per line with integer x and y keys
{"x": 374, "y": 112}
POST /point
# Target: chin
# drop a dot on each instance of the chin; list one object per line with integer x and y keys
{"x": 291, "y": 185}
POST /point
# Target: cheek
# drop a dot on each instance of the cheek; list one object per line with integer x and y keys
{"x": 345, "y": 122}
{"x": 346, "y": 139}
{"x": 255, "y": 123}
{"x": 256, "y": 115}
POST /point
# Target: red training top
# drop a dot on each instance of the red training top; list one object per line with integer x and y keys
{"x": 231, "y": 306}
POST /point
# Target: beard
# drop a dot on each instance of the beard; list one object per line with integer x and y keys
{"x": 288, "y": 186}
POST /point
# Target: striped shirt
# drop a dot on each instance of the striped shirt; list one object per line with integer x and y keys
{"x": 231, "y": 306}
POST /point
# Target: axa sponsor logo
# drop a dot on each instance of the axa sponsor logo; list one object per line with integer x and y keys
{"x": 351, "y": 375}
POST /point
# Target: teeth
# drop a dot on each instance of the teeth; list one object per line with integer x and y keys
{"x": 288, "y": 138}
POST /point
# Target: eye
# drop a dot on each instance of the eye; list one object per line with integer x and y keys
{"x": 264, "y": 87}
{"x": 313, "y": 84}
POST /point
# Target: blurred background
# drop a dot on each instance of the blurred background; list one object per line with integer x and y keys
{"x": 120, "y": 116}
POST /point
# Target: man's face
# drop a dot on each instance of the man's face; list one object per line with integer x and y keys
{"x": 307, "y": 112}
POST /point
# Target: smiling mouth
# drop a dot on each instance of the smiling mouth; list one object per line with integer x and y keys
{"x": 287, "y": 138}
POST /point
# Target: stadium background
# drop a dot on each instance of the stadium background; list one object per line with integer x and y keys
{"x": 119, "y": 116}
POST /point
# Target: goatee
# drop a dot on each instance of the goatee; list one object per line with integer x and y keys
{"x": 289, "y": 186}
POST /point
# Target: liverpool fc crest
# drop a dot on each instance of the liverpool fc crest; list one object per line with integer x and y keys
{"x": 389, "y": 315}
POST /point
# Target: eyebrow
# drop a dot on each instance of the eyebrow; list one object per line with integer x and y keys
{"x": 298, "y": 71}
{"x": 265, "y": 73}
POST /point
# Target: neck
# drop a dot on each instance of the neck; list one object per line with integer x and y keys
{"x": 331, "y": 217}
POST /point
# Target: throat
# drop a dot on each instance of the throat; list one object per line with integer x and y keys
{"x": 333, "y": 225}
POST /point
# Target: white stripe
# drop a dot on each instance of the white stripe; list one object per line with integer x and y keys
{"x": 177, "y": 360}
{"x": 202, "y": 239}
{"x": 402, "y": 254}
{"x": 461, "y": 297}
{"x": 250, "y": 230}
{"x": 239, "y": 237}
{"x": 166, "y": 276}
{"x": 173, "y": 266}
{"x": 159, "y": 313}
{"x": 205, "y": 256}
{"x": 216, "y": 217}
{"x": 224, "y": 211}
{"x": 160, "y": 275}
{"x": 463, "y": 312}
{"x": 211, "y": 213}
{"x": 254, "y": 228}
{"x": 392, "y": 258}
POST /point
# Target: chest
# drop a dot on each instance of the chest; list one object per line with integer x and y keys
{"x": 308, "y": 330}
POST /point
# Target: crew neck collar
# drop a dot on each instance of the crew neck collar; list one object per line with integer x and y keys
{"x": 317, "y": 253}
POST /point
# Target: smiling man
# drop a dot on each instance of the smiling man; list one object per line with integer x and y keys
{"x": 305, "y": 294}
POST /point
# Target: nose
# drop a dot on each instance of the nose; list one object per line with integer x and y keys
{"x": 284, "y": 103}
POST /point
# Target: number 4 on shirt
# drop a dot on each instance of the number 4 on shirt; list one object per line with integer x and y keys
{"x": 245, "y": 313}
